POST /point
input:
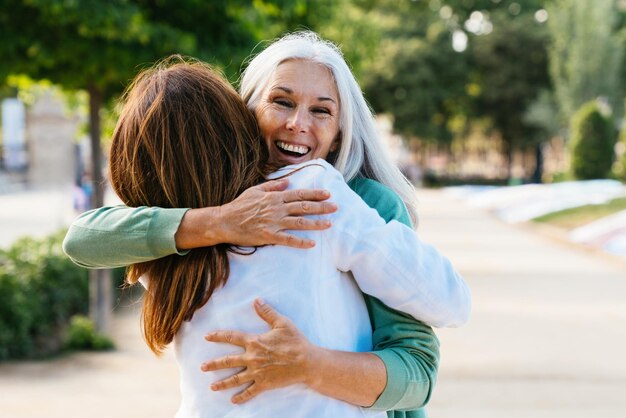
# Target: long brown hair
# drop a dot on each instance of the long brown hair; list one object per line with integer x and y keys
{"x": 184, "y": 139}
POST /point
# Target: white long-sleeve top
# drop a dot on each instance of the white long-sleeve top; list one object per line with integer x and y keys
{"x": 316, "y": 290}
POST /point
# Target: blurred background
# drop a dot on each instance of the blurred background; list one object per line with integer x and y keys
{"x": 507, "y": 115}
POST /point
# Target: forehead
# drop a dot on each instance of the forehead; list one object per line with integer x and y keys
{"x": 304, "y": 77}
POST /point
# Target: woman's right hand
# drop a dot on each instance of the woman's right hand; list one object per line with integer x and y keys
{"x": 259, "y": 216}
{"x": 283, "y": 356}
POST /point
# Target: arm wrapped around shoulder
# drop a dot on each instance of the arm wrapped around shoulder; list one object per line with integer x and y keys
{"x": 391, "y": 263}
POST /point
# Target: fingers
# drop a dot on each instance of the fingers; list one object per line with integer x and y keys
{"x": 229, "y": 337}
{"x": 247, "y": 394}
{"x": 304, "y": 224}
{"x": 288, "y": 240}
{"x": 310, "y": 208}
{"x": 226, "y": 362}
{"x": 315, "y": 195}
{"x": 274, "y": 185}
{"x": 237, "y": 380}
{"x": 266, "y": 312}
{"x": 233, "y": 381}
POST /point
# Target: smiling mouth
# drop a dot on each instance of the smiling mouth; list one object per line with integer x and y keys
{"x": 292, "y": 150}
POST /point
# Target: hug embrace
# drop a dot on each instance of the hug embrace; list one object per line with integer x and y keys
{"x": 274, "y": 237}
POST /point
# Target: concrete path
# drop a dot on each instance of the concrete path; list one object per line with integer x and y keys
{"x": 547, "y": 337}
{"x": 34, "y": 213}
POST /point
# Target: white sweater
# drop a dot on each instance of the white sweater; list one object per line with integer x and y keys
{"x": 315, "y": 290}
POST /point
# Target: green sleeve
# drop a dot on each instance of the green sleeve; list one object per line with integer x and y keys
{"x": 119, "y": 236}
{"x": 409, "y": 348}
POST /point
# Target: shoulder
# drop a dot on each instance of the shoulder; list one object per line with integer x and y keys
{"x": 316, "y": 173}
{"x": 380, "y": 197}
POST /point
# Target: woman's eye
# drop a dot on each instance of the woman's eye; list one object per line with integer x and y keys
{"x": 283, "y": 102}
{"x": 321, "y": 110}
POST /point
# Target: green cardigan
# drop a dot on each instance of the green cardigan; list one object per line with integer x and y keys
{"x": 119, "y": 236}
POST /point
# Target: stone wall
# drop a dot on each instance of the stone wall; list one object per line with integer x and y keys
{"x": 50, "y": 134}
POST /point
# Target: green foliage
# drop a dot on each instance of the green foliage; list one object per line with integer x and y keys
{"x": 81, "y": 335}
{"x": 510, "y": 65}
{"x": 421, "y": 81}
{"x": 585, "y": 53}
{"x": 592, "y": 142}
{"x": 622, "y": 172}
{"x": 357, "y": 28}
{"x": 40, "y": 289}
{"x": 620, "y": 165}
{"x": 430, "y": 88}
{"x": 83, "y": 43}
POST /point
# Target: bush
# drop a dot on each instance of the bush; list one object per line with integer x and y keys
{"x": 432, "y": 180}
{"x": 620, "y": 165}
{"x": 622, "y": 173}
{"x": 82, "y": 335}
{"x": 40, "y": 290}
{"x": 593, "y": 142}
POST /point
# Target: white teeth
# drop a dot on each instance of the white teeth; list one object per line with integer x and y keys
{"x": 300, "y": 149}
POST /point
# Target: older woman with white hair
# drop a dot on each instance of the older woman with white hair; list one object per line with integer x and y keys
{"x": 308, "y": 105}
{"x": 361, "y": 153}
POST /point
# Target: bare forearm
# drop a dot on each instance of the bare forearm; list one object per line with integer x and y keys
{"x": 261, "y": 215}
{"x": 283, "y": 356}
{"x": 200, "y": 228}
{"x": 356, "y": 378}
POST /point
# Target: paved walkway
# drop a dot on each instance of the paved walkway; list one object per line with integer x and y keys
{"x": 34, "y": 213}
{"x": 547, "y": 337}
{"x": 548, "y": 331}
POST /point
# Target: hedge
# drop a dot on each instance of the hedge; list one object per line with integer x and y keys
{"x": 593, "y": 141}
{"x": 40, "y": 290}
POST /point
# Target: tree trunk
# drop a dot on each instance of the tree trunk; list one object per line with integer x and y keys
{"x": 509, "y": 161}
{"x": 95, "y": 103}
{"x": 100, "y": 281}
{"x": 538, "y": 173}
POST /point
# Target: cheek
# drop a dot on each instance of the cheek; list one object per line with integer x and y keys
{"x": 266, "y": 120}
{"x": 332, "y": 135}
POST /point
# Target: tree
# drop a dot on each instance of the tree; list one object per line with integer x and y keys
{"x": 592, "y": 142}
{"x": 510, "y": 66}
{"x": 98, "y": 46}
{"x": 585, "y": 54}
{"x": 416, "y": 76}
{"x": 620, "y": 148}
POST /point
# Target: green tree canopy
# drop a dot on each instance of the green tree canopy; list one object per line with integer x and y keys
{"x": 510, "y": 66}
{"x": 98, "y": 46}
{"x": 585, "y": 54}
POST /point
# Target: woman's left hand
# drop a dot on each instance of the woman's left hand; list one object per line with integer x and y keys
{"x": 280, "y": 357}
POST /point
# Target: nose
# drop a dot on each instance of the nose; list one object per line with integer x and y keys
{"x": 298, "y": 121}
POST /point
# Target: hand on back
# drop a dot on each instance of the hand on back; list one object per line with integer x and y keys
{"x": 261, "y": 215}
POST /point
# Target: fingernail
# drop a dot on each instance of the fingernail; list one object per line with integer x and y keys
{"x": 259, "y": 302}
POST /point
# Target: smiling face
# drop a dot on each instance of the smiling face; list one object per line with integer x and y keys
{"x": 299, "y": 112}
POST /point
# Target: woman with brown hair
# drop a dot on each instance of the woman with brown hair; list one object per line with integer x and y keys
{"x": 185, "y": 139}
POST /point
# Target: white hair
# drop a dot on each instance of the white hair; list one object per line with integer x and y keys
{"x": 361, "y": 151}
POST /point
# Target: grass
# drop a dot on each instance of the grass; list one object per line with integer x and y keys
{"x": 575, "y": 217}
